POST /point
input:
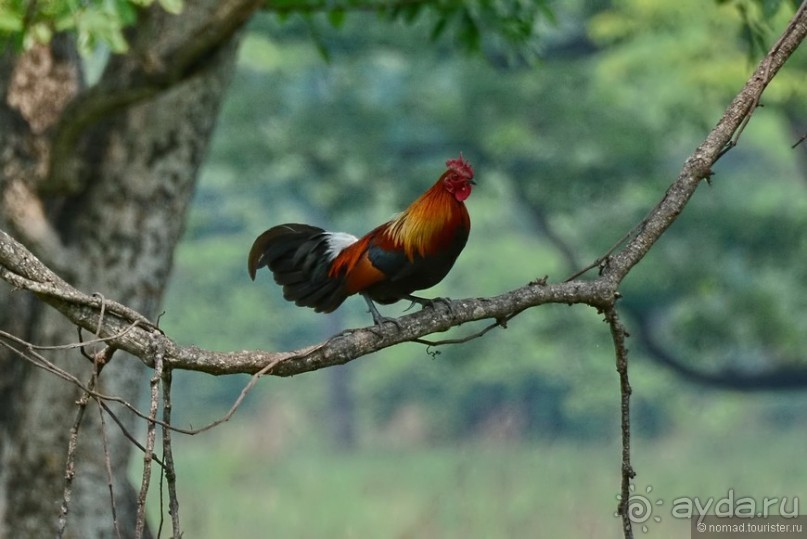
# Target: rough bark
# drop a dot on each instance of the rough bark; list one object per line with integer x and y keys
{"x": 107, "y": 213}
{"x": 28, "y": 109}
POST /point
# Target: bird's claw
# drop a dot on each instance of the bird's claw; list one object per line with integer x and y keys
{"x": 444, "y": 301}
{"x": 426, "y": 302}
{"x": 379, "y": 318}
{"x": 378, "y": 328}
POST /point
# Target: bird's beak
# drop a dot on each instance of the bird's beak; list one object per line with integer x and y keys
{"x": 472, "y": 182}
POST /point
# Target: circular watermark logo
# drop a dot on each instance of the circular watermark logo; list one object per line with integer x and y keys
{"x": 641, "y": 507}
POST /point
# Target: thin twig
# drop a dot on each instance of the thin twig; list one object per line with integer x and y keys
{"x": 223, "y": 419}
{"x": 124, "y": 431}
{"x": 499, "y": 322}
{"x": 58, "y": 289}
{"x": 158, "y": 354}
{"x": 72, "y": 444}
{"x": 161, "y": 521}
{"x": 70, "y": 460}
{"x": 619, "y": 334}
{"x": 601, "y": 260}
{"x": 38, "y": 360}
{"x": 226, "y": 417}
{"x": 70, "y": 346}
{"x": 766, "y": 76}
{"x": 108, "y": 464}
{"x": 99, "y": 359}
{"x": 502, "y": 322}
{"x": 41, "y": 362}
{"x": 168, "y": 457}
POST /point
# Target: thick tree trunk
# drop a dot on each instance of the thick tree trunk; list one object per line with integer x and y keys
{"x": 108, "y": 214}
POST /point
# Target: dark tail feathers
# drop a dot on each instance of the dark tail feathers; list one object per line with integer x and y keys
{"x": 297, "y": 256}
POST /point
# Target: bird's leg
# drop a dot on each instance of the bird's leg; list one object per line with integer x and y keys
{"x": 379, "y": 318}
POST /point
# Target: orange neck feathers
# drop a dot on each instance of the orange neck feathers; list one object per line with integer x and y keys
{"x": 429, "y": 223}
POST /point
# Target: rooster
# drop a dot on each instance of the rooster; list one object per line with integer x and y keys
{"x": 413, "y": 251}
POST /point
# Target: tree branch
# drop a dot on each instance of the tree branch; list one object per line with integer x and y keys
{"x": 156, "y": 352}
{"x": 20, "y": 268}
{"x": 698, "y": 166}
{"x": 619, "y": 335}
{"x": 168, "y": 457}
{"x": 113, "y": 506}
{"x": 70, "y": 465}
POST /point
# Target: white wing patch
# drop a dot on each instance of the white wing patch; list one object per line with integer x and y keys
{"x": 337, "y": 241}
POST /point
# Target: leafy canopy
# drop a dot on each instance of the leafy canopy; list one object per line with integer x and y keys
{"x": 94, "y": 22}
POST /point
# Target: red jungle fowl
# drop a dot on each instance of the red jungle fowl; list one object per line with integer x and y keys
{"x": 413, "y": 251}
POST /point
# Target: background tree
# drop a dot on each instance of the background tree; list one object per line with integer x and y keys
{"x": 96, "y": 180}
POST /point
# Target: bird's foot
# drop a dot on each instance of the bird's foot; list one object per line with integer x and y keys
{"x": 380, "y": 319}
{"x": 426, "y": 302}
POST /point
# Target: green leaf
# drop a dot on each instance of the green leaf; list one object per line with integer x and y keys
{"x": 469, "y": 33}
{"x": 439, "y": 28}
{"x": 10, "y": 22}
{"x": 172, "y": 6}
{"x": 336, "y": 17}
{"x": 41, "y": 32}
{"x": 410, "y": 12}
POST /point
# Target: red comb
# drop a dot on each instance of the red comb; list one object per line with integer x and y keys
{"x": 461, "y": 167}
